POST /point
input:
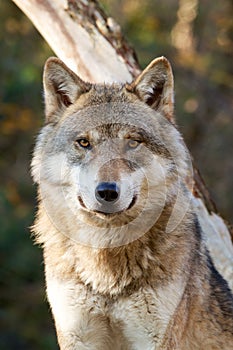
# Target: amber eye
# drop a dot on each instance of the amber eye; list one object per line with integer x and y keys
{"x": 84, "y": 143}
{"x": 133, "y": 143}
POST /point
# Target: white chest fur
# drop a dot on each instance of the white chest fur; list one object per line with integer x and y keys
{"x": 135, "y": 322}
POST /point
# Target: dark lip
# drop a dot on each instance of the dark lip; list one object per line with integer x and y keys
{"x": 109, "y": 214}
{"x": 81, "y": 202}
{"x": 132, "y": 202}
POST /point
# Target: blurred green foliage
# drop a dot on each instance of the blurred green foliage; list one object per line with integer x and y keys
{"x": 25, "y": 321}
{"x": 202, "y": 63}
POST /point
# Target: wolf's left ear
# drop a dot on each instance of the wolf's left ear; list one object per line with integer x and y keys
{"x": 62, "y": 87}
{"x": 155, "y": 87}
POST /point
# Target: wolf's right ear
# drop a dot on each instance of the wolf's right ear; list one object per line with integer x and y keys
{"x": 62, "y": 87}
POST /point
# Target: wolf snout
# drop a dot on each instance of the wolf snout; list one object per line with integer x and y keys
{"x": 107, "y": 197}
{"x": 107, "y": 192}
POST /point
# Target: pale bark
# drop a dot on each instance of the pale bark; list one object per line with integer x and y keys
{"x": 91, "y": 44}
{"x": 83, "y": 37}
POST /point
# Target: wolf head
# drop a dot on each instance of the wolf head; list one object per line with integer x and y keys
{"x": 109, "y": 156}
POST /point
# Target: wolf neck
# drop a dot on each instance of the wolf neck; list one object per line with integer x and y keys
{"x": 116, "y": 270}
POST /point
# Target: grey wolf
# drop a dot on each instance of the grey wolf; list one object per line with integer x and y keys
{"x": 110, "y": 165}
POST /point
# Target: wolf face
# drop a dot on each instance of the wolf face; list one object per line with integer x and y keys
{"x": 109, "y": 155}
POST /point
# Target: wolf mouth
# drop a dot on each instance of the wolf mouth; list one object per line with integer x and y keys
{"x": 108, "y": 214}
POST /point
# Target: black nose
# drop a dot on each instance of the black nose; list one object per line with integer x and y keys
{"x": 107, "y": 192}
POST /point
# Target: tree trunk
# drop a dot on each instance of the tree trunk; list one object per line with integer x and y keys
{"x": 91, "y": 44}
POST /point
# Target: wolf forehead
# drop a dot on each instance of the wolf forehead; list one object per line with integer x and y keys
{"x": 97, "y": 94}
{"x": 112, "y": 117}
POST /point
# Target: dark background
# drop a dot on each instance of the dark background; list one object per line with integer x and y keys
{"x": 196, "y": 38}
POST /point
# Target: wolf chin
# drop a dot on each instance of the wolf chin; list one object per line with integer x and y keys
{"x": 126, "y": 265}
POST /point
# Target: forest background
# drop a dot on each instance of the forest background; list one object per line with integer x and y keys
{"x": 196, "y": 36}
